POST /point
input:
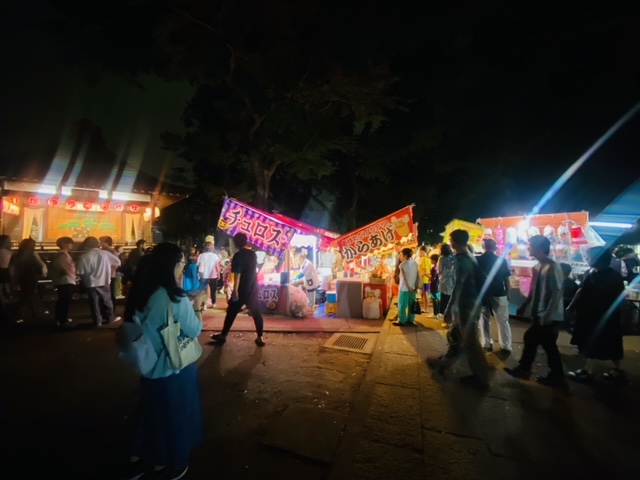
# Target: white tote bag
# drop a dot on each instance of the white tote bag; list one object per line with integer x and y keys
{"x": 135, "y": 347}
{"x": 181, "y": 351}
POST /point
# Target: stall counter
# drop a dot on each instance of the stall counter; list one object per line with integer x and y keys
{"x": 273, "y": 299}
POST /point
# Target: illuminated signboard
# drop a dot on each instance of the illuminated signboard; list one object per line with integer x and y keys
{"x": 262, "y": 231}
{"x": 393, "y": 228}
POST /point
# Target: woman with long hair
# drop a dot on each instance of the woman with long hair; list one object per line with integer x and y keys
{"x": 168, "y": 426}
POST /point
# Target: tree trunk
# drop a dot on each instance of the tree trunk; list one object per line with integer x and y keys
{"x": 262, "y": 176}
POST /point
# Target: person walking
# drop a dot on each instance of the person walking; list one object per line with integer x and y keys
{"x": 544, "y": 306}
{"x": 208, "y": 268}
{"x": 244, "y": 264}
{"x": 495, "y": 300}
{"x": 94, "y": 269}
{"x": 168, "y": 425}
{"x": 26, "y": 269}
{"x": 447, "y": 272}
{"x": 63, "y": 278}
{"x": 409, "y": 272}
{"x": 598, "y": 329}
{"x": 462, "y": 312}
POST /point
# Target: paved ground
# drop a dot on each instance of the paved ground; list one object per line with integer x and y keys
{"x": 296, "y": 409}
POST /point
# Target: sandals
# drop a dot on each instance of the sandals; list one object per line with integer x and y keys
{"x": 614, "y": 374}
{"x": 580, "y": 375}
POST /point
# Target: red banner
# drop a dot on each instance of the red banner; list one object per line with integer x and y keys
{"x": 264, "y": 232}
{"x": 393, "y": 228}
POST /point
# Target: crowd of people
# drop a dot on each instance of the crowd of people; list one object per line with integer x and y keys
{"x": 468, "y": 290}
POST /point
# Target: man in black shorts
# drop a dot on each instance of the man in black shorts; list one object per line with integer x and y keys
{"x": 245, "y": 290}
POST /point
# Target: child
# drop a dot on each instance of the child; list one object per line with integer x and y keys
{"x": 434, "y": 285}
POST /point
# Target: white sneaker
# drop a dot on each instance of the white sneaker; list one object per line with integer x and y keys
{"x": 117, "y": 319}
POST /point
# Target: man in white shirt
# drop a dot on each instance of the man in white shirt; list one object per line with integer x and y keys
{"x": 311, "y": 279}
{"x": 94, "y": 270}
{"x": 208, "y": 268}
{"x": 407, "y": 288}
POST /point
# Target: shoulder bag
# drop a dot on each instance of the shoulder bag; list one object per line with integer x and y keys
{"x": 135, "y": 348}
{"x": 182, "y": 351}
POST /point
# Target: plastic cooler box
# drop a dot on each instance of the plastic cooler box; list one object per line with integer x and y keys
{"x": 332, "y": 297}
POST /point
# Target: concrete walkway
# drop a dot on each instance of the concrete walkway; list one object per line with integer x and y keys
{"x": 410, "y": 423}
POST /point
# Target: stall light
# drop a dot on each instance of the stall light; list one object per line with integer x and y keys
{"x": 15, "y": 200}
{"x": 610, "y": 224}
{"x": 118, "y": 207}
{"x": 134, "y": 207}
{"x": 47, "y": 189}
{"x": 33, "y": 201}
{"x": 103, "y": 194}
{"x": 53, "y": 202}
{"x": 105, "y": 206}
{"x": 66, "y": 191}
{"x": 70, "y": 204}
{"x": 87, "y": 205}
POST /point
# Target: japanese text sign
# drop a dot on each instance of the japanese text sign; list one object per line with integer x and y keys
{"x": 390, "y": 229}
{"x": 264, "y": 232}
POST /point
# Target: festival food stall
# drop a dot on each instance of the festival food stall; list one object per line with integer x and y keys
{"x": 366, "y": 289}
{"x": 278, "y": 240}
{"x": 570, "y": 235}
{"x": 46, "y": 212}
{"x": 476, "y": 232}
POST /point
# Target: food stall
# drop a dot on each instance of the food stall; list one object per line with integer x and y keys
{"x": 476, "y": 232}
{"x": 278, "y": 240}
{"x": 570, "y": 235}
{"x": 370, "y": 253}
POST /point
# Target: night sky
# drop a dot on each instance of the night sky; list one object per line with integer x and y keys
{"x": 528, "y": 88}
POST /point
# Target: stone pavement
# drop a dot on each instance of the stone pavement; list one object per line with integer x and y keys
{"x": 410, "y": 423}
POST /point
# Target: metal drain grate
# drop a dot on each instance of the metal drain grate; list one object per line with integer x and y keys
{"x": 361, "y": 343}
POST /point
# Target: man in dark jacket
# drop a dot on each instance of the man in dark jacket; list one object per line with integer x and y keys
{"x": 495, "y": 299}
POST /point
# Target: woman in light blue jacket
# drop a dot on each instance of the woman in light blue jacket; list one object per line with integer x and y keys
{"x": 168, "y": 426}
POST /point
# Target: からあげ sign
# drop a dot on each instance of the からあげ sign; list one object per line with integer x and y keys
{"x": 390, "y": 229}
{"x": 261, "y": 230}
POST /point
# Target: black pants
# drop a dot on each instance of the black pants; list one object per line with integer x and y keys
{"x": 65, "y": 294}
{"x": 444, "y": 302}
{"x": 545, "y": 336}
{"x": 113, "y": 292}
{"x": 234, "y": 308}
{"x": 213, "y": 286}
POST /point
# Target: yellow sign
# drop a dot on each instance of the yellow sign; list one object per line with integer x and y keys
{"x": 476, "y": 232}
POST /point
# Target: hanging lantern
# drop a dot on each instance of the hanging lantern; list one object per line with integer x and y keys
{"x": 104, "y": 206}
{"x": 87, "y": 205}
{"x": 118, "y": 207}
{"x": 134, "y": 207}
{"x": 33, "y": 201}
{"x": 15, "y": 200}
{"x": 53, "y": 202}
{"x": 71, "y": 204}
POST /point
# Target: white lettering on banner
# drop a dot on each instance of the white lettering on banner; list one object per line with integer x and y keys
{"x": 268, "y": 294}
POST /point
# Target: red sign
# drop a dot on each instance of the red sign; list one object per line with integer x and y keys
{"x": 388, "y": 230}
{"x": 263, "y": 231}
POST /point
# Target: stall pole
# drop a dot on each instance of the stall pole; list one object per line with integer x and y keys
{"x": 287, "y": 268}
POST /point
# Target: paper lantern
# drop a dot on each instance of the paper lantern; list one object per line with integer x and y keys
{"x": 15, "y": 200}
{"x": 104, "y": 206}
{"x": 134, "y": 207}
{"x": 53, "y": 202}
{"x": 118, "y": 207}
{"x": 71, "y": 204}
{"x": 33, "y": 201}
{"x": 87, "y": 205}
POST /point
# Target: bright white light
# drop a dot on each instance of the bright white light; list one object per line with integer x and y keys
{"x": 103, "y": 194}
{"x": 47, "y": 189}
{"x": 131, "y": 197}
{"x": 611, "y": 224}
{"x": 66, "y": 191}
{"x": 524, "y": 225}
